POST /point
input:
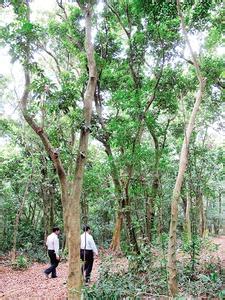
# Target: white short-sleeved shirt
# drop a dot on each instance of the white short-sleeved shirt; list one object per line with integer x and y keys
{"x": 87, "y": 242}
{"x": 53, "y": 243}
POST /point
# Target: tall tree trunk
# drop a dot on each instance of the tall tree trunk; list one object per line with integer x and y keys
{"x": 115, "y": 244}
{"x": 74, "y": 274}
{"x": 84, "y": 209}
{"x": 47, "y": 195}
{"x": 172, "y": 270}
{"x": 149, "y": 217}
{"x": 187, "y": 221}
{"x": 104, "y": 139}
{"x": 200, "y": 206}
{"x": 18, "y": 215}
{"x": 150, "y": 205}
{"x": 48, "y": 209}
{"x": 220, "y": 210}
{"x": 130, "y": 228}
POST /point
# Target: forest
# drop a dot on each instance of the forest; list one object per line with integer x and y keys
{"x": 112, "y": 116}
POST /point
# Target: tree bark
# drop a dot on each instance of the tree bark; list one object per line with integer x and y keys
{"x": 115, "y": 244}
{"x": 172, "y": 270}
{"x": 74, "y": 273}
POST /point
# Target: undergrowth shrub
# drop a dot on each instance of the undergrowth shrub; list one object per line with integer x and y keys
{"x": 21, "y": 262}
{"x": 145, "y": 275}
{"x": 36, "y": 253}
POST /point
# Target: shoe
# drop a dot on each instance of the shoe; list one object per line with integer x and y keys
{"x": 54, "y": 276}
{"x": 46, "y": 276}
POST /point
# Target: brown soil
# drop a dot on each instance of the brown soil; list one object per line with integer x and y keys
{"x": 31, "y": 283}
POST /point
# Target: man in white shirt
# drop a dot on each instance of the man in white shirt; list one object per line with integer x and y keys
{"x": 87, "y": 251}
{"x": 53, "y": 251}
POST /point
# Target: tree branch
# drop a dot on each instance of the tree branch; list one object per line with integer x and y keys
{"x": 193, "y": 55}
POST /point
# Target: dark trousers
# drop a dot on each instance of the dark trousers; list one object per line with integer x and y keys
{"x": 87, "y": 257}
{"x": 54, "y": 263}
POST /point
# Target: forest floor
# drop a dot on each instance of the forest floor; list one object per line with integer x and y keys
{"x": 31, "y": 283}
{"x": 220, "y": 241}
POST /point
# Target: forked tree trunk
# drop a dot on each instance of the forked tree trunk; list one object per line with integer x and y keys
{"x": 74, "y": 274}
{"x": 172, "y": 270}
{"x": 70, "y": 201}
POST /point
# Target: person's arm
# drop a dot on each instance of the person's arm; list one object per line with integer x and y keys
{"x": 93, "y": 246}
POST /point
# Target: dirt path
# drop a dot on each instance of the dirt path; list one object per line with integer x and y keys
{"x": 31, "y": 283}
{"x": 220, "y": 241}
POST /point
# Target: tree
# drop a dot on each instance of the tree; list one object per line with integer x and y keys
{"x": 70, "y": 192}
{"x": 172, "y": 279}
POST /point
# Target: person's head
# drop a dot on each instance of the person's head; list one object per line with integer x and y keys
{"x": 56, "y": 230}
{"x": 86, "y": 228}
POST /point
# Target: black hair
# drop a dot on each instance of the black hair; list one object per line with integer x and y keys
{"x": 86, "y": 228}
{"x": 54, "y": 229}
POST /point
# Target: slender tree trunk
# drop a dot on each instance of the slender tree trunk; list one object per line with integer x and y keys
{"x": 47, "y": 195}
{"x": 220, "y": 211}
{"x": 115, "y": 244}
{"x": 130, "y": 228}
{"x": 149, "y": 216}
{"x": 187, "y": 224}
{"x": 48, "y": 209}
{"x": 172, "y": 270}
{"x": 74, "y": 274}
{"x": 150, "y": 205}
{"x": 51, "y": 204}
{"x": 84, "y": 209}
{"x": 200, "y": 205}
{"x": 16, "y": 225}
